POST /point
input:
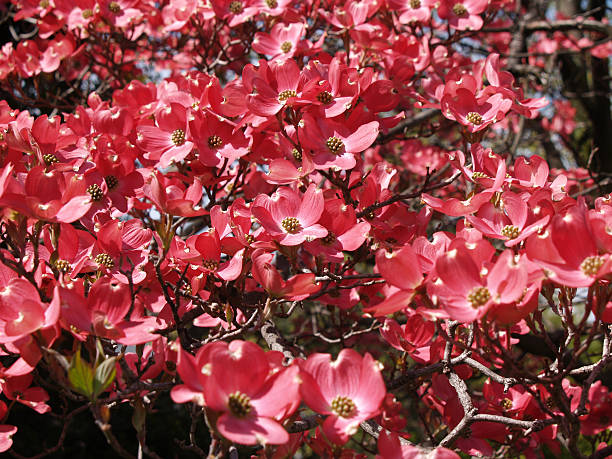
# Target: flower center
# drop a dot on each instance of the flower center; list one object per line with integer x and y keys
{"x": 335, "y": 145}
{"x": 43, "y": 4}
{"x": 329, "y": 239}
{"x": 506, "y": 404}
{"x": 286, "y": 94}
{"x": 235, "y": 7}
{"x": 87, "y": 13}
{"x": 459, "y": 9}
{"x": 62, "y": 266}
{"x": 114, "y": 7}
{"x": 111, "y": 182}
{"x": 104, "y": 259}
{"x": 178, "y": 137}
{"x": 343, "y": 406}
{"x": 590, "y": 266}
{"x": 474, "y": 118}
{"x": 50, "y": 158}
{"x": 95, "y": 192}
{"x": 211, "y": 265}
{"x": 479, "y": 174}
{"x": 272, "y": 3}
{"x": 478, "y": 296}
{"x": 325, "y": 97}
{"x": 291, "y": 225}
{"x": 510, "y": 231}
{"x": 415, "y": 4}
{"x": 239, "y": 404}
{"x": 286, "y": 46}
{"x": 214, "y": 141}
{"x": 249, "y": 238}
{"x": 297, "y": 154}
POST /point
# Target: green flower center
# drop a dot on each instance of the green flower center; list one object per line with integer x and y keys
{"x": 474, "y": 118}
{"x": 62, "y": 266}
{"x": 506, "y": 403}
{"x": 297, "y": 154}
{"x": 50, "y": 158}
{"x": 459, "y": 9}
{"x": 291, "y": 225}
{"x": 95, "y": 192}
{"x": 114, "y": 7}
{"x": 286, "y": 46}
{"x": 510, "y": 231}
{"x": 286, "y": 94}
{"x": 214, "y": 141}
{"x": 590, "y": 266}
{"x": 329, "y": 239}
{"x": 239, "y": 404}
{"x": 104, "y": 259}
{"x": 325, "y": 97}
{"x": 178, "y": 137}
{"x": 235, "y": 7}
{"x": 335, "y": 145}
{"x": 211, "y": 265}
{"x": 111, "y": 182}
{"x": 343, "y": 406}
{"x": 478, "y": 296}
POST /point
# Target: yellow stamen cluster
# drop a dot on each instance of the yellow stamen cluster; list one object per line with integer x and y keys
{"x": 478, "y": 174}
{"x": 511, "y": 231}
{"x": 62, "y": 266}
{"x": 114, "y": 7}
{"x": 325, "y": 97}
{"x": 87, "y": 13}
{"x": 104, "y": 259}
{"x": 343, "y": 406}
{"x": 291, "y": 225}
{"x": 272, "y": 3}
{"x": 459, "y": 9}
{"x": 178, "y": 137}
{"x": 211, "y": 265}
{"x": 297, "y": 154}
{"x": 235, "y": 7}
{"x": 214, "y": 141}
{"x": 474, "y": 118}
{"x": 286, "y": 46}
{"x": 415, "y": 4}
{"x": 286, "y": 94}
{"x": 239, "y": 404}
{"x": 50, "y": 158}
{"x": 95, "y": 192}
{"x": 590, "y": 266}
{"x": 506, "y": 403}
{"x": 478, "y": 296}
{"x": 335, "y": 145}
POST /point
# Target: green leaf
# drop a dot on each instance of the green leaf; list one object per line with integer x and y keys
{"x": 81, "y": 375}
{"x": 139, "y": 416}
{"x": 105, "y": 375}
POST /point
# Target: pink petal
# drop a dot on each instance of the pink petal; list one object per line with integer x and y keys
{"x": 251, "y": 430}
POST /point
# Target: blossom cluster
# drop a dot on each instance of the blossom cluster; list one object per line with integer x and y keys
{"x": 309, "y": 229}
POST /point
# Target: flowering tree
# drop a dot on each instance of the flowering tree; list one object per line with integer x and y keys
{"x": 327, "y": 228}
